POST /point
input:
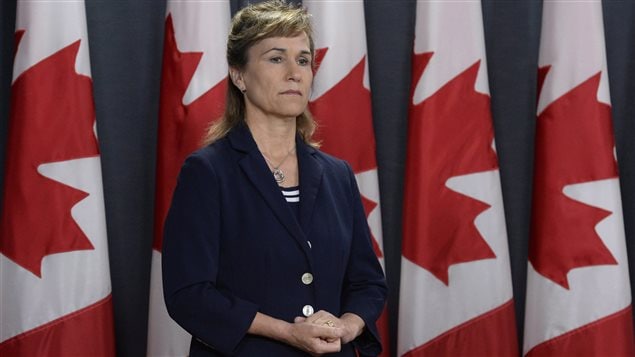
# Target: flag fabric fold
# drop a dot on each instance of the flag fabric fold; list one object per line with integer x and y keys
{"x": 578, "y": 293}
{"x": 193, "y": 86}
{"x": 54, "y": 270}
{"x": 456, "y": 295}
{"x": 341, "y": 105}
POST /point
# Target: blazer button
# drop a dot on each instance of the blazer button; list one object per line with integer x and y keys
{"x": 307, "y": 278}
{"x": 307, "y": 310}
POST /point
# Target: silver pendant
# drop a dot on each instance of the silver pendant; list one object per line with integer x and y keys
{"x": 278, "y": 175}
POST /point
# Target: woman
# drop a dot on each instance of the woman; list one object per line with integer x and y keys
{"x": 267, "y": 250}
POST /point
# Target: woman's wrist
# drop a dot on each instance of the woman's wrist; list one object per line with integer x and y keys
{"x": 267, "y": 326}
{"x": 354, "y": 326}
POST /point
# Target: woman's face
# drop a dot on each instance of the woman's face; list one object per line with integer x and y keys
{"x": 277, "y": 77}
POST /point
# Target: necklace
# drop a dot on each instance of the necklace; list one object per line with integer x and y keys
{"x": 277, "y": 173}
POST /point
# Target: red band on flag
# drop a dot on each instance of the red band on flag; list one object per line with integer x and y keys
{"x": 610, "y": 336}
{"x": 85, "y": 332}
{"x": 474, "y": 337}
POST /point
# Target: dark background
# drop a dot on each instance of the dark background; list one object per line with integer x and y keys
{"x": 126, "y": 39}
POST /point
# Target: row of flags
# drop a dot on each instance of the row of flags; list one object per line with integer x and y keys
{"x": 456, "y": 295}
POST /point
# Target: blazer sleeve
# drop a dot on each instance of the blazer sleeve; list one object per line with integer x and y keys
{"x": 365, "y": 290}
{"x": 190, "y": 262}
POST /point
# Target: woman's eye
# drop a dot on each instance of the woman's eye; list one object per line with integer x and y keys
{"x": 304, "y": 61}
{"x": 275, "y": 59}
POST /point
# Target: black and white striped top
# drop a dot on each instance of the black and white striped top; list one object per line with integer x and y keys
{"x": 291, "y": 194}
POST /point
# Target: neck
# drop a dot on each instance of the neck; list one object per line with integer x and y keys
{"x": 274, "y": 137}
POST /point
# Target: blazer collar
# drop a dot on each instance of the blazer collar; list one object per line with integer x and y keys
{"x": 310, "y": 172}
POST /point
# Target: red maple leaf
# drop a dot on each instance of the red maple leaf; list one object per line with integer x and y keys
{"x": 181, "y": 127}
{"x": 345, "y": 120}
{"x": 542, "y": 75}
{"x": 369, "y": 206}
{"x": 574, "y": 144}
{"x": 320, "y": 53}
{"x": 450, "y": 134}
{"x": 345, "y": 124}
{"x": 17, "y": 37}
{"x": 51, "y": 120}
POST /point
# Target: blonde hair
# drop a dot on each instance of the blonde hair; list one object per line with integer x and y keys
{"x": 256, "y": 22}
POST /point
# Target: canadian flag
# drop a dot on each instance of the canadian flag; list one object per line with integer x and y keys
{"x": 456, "y": 293}
{"x": 578, "y": 295}
{"x": 55, "y": 279}
{"x": 341, "y": 104}
{"x": 193, "y": 86}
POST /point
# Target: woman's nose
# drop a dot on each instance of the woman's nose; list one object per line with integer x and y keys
{"x": 294, "y": 72}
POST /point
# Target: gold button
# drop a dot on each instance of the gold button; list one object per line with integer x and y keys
{"x": 307, "y": 278}
{"x": 307, "y": 310}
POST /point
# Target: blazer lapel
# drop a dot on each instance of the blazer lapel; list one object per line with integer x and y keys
{"x": 256, "y": 169}
{"x": 310, "y": 179}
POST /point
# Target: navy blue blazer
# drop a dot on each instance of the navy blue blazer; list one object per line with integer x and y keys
{"x": 233, "y": 246}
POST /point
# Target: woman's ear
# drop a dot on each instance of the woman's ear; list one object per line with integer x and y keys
{"x": 237, "y": 78}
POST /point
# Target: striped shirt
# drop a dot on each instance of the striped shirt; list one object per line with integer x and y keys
{"x": 292, "y": 196}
